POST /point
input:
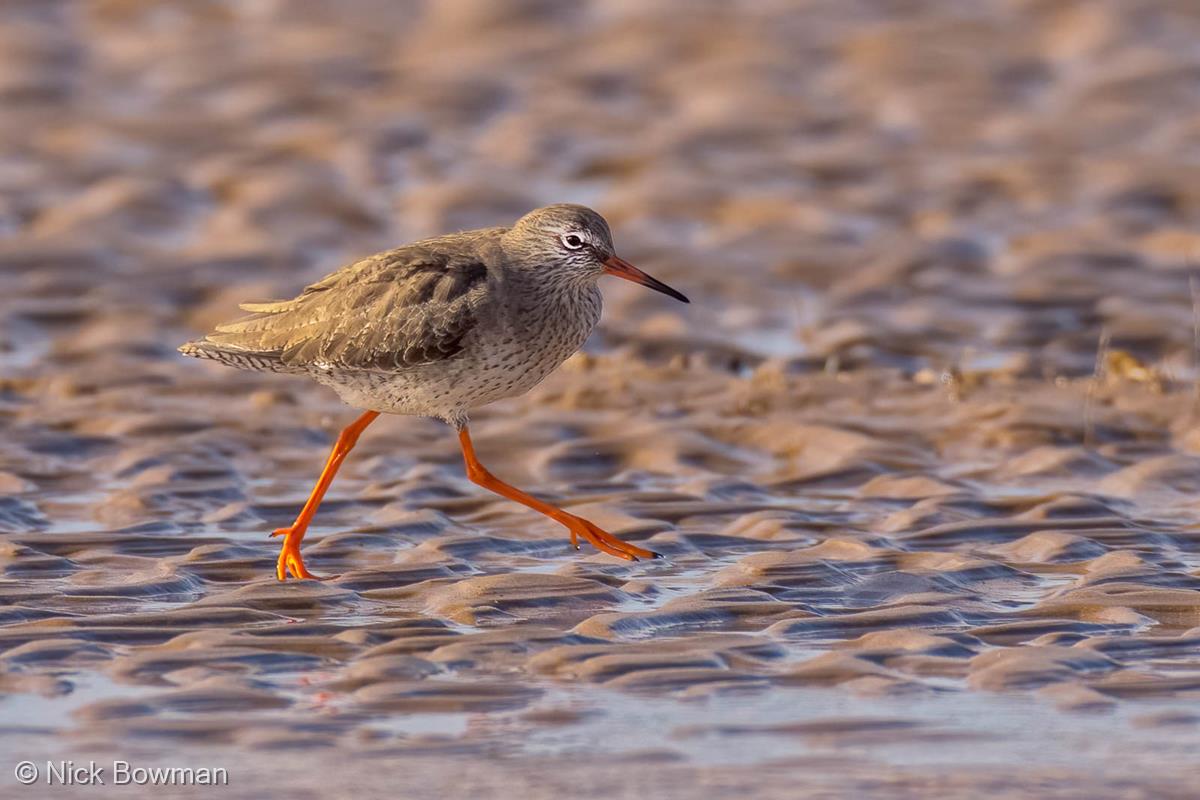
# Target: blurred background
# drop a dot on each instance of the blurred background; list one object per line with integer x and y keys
{"x": 895, "y": 183}
{"x": 942, "y": 353}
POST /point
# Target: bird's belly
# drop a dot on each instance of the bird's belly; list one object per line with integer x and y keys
{"x": 445, "y": 389}
{"x": 435, "y": 390}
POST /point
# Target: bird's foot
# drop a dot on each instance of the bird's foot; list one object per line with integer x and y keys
{"x": 290, "y": 560}
{"x": 605, "y": 542}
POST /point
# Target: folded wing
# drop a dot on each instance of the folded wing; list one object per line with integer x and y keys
{"x": 398, "y": 309}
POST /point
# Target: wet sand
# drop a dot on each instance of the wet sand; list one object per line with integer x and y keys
{"x": 922, "y": 455}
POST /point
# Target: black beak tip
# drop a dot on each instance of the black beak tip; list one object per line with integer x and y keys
{"x": 669, "y": 292}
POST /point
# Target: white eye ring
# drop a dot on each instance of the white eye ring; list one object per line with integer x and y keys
{"x": 572, "y": 241}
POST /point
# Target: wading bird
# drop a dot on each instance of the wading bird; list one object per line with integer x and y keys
{"x": 438, "y": 328}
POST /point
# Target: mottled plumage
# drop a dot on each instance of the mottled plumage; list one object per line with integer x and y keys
{"x": 437, "y": 328}
{"x": 401, "y": 308}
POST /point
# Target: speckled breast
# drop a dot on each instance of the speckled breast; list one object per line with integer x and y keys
{"x": 505, "y": 356}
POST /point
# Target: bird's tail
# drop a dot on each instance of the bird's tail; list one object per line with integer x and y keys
{"x": 233, "y": 357}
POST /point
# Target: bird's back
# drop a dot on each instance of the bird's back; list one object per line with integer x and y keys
{"x": 406, "y": 307}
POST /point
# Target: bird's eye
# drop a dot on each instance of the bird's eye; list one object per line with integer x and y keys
{"x": 572, "y": 241}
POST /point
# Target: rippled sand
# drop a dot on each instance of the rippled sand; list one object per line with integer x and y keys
{"x": 923, "y": 455}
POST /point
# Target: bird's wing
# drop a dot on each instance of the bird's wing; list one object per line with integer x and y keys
{"x": 402, "y": 308}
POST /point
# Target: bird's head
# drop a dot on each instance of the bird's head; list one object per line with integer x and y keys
{"x": 575, "y": 242}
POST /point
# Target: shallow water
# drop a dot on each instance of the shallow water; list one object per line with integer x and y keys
{"x": 921, "y": 454}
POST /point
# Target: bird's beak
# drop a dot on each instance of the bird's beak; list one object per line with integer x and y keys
{"x": 623, "y": 269}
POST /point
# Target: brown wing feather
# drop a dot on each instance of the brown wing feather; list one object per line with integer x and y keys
{"x": 398, "y": 309}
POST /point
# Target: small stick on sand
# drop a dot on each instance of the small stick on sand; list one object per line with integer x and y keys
{"x": 1093, "y": 384}
{"x": 1194, "y": 286}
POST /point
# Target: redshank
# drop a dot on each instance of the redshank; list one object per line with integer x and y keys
{"x": 438, "y": 328}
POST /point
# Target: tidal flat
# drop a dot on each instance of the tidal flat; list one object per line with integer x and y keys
{"x": 922, "y": 455}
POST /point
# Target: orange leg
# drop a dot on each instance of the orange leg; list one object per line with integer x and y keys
{"x": 578, "y": 526}
{"x": 289, "y": 555}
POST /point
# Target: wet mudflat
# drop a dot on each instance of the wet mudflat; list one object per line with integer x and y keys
{"x": 923, "y": 454}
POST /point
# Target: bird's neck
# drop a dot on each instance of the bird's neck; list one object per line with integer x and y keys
{"x": 553, "y": 286}
{"x": 543, "y": 293}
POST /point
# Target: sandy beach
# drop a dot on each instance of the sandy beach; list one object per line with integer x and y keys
{"x": 922, "y": 455}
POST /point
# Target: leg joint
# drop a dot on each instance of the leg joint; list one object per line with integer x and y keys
{"x": 477, "y": 472}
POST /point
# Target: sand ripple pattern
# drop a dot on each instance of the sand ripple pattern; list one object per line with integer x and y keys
{"x": 923, "y": 456}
